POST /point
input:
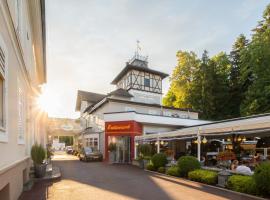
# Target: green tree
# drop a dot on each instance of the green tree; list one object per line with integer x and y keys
{"x": 181, "y": 78}
{"x": 212, "y": 80}
{"x": 256, "y": 69}
{"x": 237, "y": 89}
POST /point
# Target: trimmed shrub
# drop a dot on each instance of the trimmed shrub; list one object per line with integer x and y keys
{"x": 187, "y": 164}
{"x": 262, "y": 178}
{"x": 150, "y": 167}
{"x": 173, "y": 171}
{"x": 244, "y": 184}
{"x": 159, "y": 160}
{"x": 161, "y": 170}
{"x": 203, "y": 176}
{"x": 38, "y": 154}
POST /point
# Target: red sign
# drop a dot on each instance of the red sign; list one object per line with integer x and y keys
{"x": 124, "y": 127}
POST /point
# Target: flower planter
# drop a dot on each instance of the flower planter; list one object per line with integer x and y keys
{"x": 40, "y": 170}
{"x": 135, "y": 163}
{"x": 145, "y": 163}
{"x": 112, "y": 156}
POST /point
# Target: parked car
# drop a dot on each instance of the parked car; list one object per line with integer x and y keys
{"x": 69, "y": 149}
{"x": 90, "y": 154}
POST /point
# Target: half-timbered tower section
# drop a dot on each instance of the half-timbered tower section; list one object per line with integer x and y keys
{"x": 138, "y": 79}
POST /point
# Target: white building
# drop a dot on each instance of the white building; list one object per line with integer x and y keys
{"x": 22, "y": 71}
{"x": 133, "y": 109}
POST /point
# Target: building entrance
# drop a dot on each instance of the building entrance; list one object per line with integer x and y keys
{"x": 122, "y": 149}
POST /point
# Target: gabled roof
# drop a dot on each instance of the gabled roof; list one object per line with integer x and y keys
{"x": 139, "y": 68}
{"x": 87, "y": 96}
{"x": 120, "y": 92}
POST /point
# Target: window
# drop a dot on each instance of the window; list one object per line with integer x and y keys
{"x": 3, "y": 91}
{"x": 147, "y": 82}
{"x": 92, "y": 142}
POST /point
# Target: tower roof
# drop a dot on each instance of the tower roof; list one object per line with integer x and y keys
{"x": 139, "y": 63}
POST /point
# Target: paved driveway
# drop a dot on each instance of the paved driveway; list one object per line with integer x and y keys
{"x": 83, "y": 181}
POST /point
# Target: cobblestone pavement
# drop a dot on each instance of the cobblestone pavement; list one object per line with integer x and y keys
{"x": 93, "y": 180}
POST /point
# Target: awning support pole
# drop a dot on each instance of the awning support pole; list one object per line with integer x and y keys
{"x": 199, "y": 146}
{"x": 158, "y": 146}
{"x": 135, "y": 148}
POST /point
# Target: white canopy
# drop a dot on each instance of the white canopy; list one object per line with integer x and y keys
{"x": 256, "y": 124}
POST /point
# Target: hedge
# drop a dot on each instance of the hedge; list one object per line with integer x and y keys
{"x": 173, "y": 171}
{"x": 161, "y": 170}
{"x": 203, "y": 176}
{"x": 244, "y": 184}
{"x": 150, "y": 167}
{"x": 262, "y": 178}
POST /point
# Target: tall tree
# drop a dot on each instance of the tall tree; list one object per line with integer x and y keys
{"x": 181, "y": 78}
{"x": 210, "y": 89}
{"x": 236, "y": 88}
{"x": 256, "y": 69}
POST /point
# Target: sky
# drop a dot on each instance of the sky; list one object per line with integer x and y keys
{"x": 89, "y": 42}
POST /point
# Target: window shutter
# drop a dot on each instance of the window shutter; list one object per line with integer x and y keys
{"x": 2, "y": 59}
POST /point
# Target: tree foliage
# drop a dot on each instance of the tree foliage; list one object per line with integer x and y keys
{"x": 225, "y": 85}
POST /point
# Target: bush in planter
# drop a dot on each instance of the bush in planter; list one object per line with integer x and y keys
{"x": 159, "y": 160}
{"x": 262, "y": 177}
{"x": 187, "y": 164}
{"x": 203, "y": 176}
{"x": 150, "y": 167}
{"x": 244, "y": 184}
{"x": 173, "y": 171}
{"x": 38, "y": 155}
{"x": 161, "y": 170}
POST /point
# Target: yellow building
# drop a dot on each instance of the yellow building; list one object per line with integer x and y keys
{"x": 22, "y": 72}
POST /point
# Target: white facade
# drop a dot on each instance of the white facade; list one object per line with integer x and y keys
{"x": 22, "y": 71}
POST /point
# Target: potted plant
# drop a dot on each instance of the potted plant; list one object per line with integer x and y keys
{"x": 112, "y": 154}
{"x": 145, "y": 151}
{"x": 38, "y": 155}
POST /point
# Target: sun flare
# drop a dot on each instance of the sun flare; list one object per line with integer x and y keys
{"x": 45, "y": 101}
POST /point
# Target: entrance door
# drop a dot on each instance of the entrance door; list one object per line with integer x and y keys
{"x": 123, "y": 149}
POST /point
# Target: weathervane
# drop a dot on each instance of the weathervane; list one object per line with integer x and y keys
{"x": 138, "y": 48}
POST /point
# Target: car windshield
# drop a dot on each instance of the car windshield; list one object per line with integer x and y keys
{"x": 88, "y": 150}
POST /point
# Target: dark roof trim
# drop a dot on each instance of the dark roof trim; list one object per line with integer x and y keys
{"x": 144, "y": 69}
{"x": 120, "y": 92}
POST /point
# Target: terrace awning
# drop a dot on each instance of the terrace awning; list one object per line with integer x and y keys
{"x": 257, "y": 125}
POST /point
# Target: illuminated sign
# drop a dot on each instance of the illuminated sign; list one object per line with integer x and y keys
{"x": 123, "y": 127}
{"x": 111, "y": 127}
